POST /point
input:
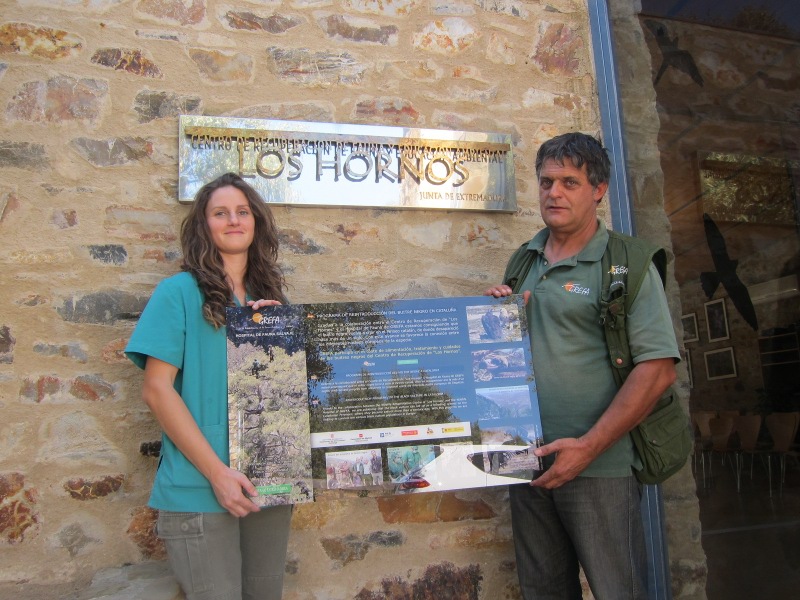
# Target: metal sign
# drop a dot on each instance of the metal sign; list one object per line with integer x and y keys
{"x": 325, "y": 164}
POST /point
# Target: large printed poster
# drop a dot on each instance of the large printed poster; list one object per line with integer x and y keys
{"x": 400, "y": 396}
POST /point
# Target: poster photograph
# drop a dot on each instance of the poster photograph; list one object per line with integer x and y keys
{"x": 400, "y": 396}
{"x": 268, "y": 424}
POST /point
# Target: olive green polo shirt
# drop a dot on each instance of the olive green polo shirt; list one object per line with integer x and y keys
{"x": 570, "y": 358}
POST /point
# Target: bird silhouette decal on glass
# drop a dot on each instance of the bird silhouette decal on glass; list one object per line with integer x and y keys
{"x": 671, "y": 55}
{"x": 725, "y": 274}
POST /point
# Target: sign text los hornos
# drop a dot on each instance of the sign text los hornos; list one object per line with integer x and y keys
{"x": 297, "y": 163}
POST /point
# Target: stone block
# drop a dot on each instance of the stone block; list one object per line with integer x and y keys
{"x": 482, "y": 234}
{"x": 166, "y": 36}
{"x": 9, "y": 202}
{"x": 161, "y": 256}
{"x": 386, "y": 8}
{"x": 42, "y": 42}
{"x": 387, "y": 111}
{"x": 439, "y": 581}
{"x": 289, "y": 111}
{"x": 110, "y": 254}
{"x": 76, "y": 440}
{"x": 223, "y": 67}
{"x": 357, "y": 30}
{"x": 345, "y": 549}
{"x": 454, "y": 508}
{"x": 7, "y": 343}
{"x": 40, "y": 388}
{"x": 275, "y": 24}
{"x": 49, "y": 388}
{"x": 113, "y": 152}
{"x": 65, "y": 218}
{"x": 142, "y": 530}
{"x": 140, "y": 223}
{"x": 129, "y": 60}
{"x": 558, "y": 49}
{"x": 301, "y": 65}
{"x": 448, "y": 36}
{"x": 75, "y": 539}
{"x": 60, "y": 98}
{"x": 106, "y": 307}
{"x": 114, "y": 352}
{"x": 315, "y": 516}
{"x": 23, "y": 155}
{"x": 73, "y": 350}
{"x": 452, "y": 8}
{"x": 32, "y": 300}
{"x": 500, "y": 50}
{"x": 294, "y": 241}
{"x": 182, "y": 12}
{"x": 92, "y": 489}
{"x": 10, "y": 485}
{"x": 91, "y": 388}
{"x": 414, "y": 508}
{"x": 416, "y": 70}
{"x": 512, "y": 8}
{"x": 152, "y": 449}
{"x": 82, "y": 6}
{"x": 151, "y": 105}
{"x": 19, "y": 517}
{"x": 349, "y": 232}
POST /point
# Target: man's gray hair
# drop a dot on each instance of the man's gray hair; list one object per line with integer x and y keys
{"x": 581, "y": 149}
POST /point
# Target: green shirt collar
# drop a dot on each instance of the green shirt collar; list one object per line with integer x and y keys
{"x": 591, "y": 252}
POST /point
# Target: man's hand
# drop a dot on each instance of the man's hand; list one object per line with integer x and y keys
{"x": 573, "y": 455}
{"x": 500, "y": 291}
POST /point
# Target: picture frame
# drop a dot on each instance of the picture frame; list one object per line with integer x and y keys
{"x": 717, "y": 320}
{"x": 687, "y": 357}
{"x": 690, "y": 331}
{"x": 720, "y": 364}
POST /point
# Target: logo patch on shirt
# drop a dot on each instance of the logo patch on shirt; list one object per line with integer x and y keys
{"x": 574, "y": 288}
{"x": 618, "y": 270}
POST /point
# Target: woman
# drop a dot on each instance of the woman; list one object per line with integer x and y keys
{"x": 219, "y": 544}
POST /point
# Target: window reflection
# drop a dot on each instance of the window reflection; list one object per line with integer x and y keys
{"x": 726, "y": 77}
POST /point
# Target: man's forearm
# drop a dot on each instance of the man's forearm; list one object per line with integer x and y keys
{"x": 634, "y": 401}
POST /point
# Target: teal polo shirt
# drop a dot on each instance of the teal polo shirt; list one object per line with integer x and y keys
{"x": 172, "y": 329}
{"x": 570, "y": 357}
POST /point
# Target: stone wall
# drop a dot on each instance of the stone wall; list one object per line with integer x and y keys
{"x": 91, "y": 91}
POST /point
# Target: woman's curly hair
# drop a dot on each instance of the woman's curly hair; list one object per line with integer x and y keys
{"x": 263, "y": 277}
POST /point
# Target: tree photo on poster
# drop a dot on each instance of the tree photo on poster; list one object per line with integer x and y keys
{"x": 717, "y": 320}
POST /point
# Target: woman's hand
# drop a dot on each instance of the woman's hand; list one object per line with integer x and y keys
{"x": 230, "y": 487}
{"x": 256, "y": 304}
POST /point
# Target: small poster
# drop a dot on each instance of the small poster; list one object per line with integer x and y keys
{"x": 269, "y": 436}
{"x": 400, "y": 396}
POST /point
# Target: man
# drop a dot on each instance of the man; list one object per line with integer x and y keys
{"x": 585, "y": 508}
{"x": 366, "y": 469}
{"x": 396, "y": 467}
{"x": 377, "y": 468}
{"x": 411, "y": 460}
